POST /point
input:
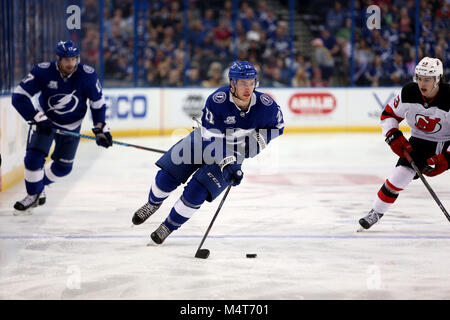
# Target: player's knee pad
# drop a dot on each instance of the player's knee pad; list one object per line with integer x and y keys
{"x": 194, "y": 194}
{"x": 34, "y": 160}
{"x": 165, "y": 181}
{"x": 55, "y": 170}
{"x": 161, "y": 188}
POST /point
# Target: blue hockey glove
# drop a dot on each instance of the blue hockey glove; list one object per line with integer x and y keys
{"x": 102, "y": 135}
{"x": 231, "y": 171}
{"x": 43, "y": 124}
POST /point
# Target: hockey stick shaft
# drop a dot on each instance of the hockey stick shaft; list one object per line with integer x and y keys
{"x": 433, "y": 194}
{"x": 215, "y": 216}
{"x": 75, "y": 134}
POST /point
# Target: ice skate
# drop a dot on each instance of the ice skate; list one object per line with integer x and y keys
{"x": 160, "y": 234}
{"x": 144, "y": 213}
{"x": 369, "y": 220}
{"x": 25, "y": 205}
{"x": 42, "y": 198}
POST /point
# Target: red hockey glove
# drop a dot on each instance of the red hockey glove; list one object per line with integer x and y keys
{"x": 398, "y": 142}
{"x": 440, "y": 163}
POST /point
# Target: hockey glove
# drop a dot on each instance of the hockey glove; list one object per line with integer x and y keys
{"x": 231, "y": 171}
{"x": 440, "y": 163}
{"x": 43, "y": 124}
{"x": 102, "y": 135}
{"x": 398, "y": 142}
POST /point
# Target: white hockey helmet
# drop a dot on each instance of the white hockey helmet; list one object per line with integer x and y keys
{"x": 429, "y": 67}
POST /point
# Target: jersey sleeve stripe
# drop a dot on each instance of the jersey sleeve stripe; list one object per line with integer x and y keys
{"x": 20, "y": 90}
{"x": 97, "y": 104}
{"x": 389, "y": 113}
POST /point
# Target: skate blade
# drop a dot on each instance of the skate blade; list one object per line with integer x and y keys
{"x": 27, "y": 212}
{"x": 361, "y": 229}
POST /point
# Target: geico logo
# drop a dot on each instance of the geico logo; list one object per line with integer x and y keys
{"x": 123, "y": 107}
{"x": 312, "y": 103}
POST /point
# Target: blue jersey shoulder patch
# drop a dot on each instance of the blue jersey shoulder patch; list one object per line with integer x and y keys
{"x": 266, "y": 100}
{"x": 219, "y": 97}
{"x": 44, "y": 65}
{"x": 88, "y": 69}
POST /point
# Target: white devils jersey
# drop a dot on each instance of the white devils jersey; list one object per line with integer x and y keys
{"x": 429, "y": 120}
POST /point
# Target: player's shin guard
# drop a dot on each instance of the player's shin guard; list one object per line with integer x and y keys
{"x": 399, "y": 178}
{"x": 193, "y": 196}
{"x": 54, "y": 171}
{"x": 161, "y": 188}
{"x": 34, "y": 173}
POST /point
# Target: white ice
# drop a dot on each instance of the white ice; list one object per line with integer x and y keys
{"x": 298, "y": 209}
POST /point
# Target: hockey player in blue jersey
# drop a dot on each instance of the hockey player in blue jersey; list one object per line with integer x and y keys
{"x": 237, "y": 123}
{"x": 65, "y": 87}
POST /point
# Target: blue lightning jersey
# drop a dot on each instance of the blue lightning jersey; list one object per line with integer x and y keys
{"x": 64, "y": 100}
{"x": 222, "y": 118}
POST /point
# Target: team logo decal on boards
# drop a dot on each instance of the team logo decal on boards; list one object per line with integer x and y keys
{"x": 266, "y": 100}
{"x": 426, "y": 124}
{"x": 62, "y": 103}
{"x": 219, "y": 97}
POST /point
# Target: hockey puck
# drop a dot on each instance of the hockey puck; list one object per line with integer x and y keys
{"x": 251, "y": 255}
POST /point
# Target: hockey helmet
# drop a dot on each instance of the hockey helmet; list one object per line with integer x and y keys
{"x": 429, "y": 67}
{"x": 242, "y": 70}
{"x": 66, "y": 49}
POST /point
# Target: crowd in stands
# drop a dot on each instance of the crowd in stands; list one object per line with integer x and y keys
{"x": 385, "y": 56}
{"x": 194, "y": 47}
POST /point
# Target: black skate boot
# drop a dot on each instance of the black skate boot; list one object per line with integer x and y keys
{"x": 42, "y": 198}
{"x": 160, "y": 234}
{"x": 25, "y": 205}
{"x": 144, "y": 213}
{"x": 369, "y": 220}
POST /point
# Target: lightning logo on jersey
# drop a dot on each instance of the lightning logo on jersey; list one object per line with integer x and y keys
{"x": 64, "y": 100}
{"x": 63, "y": 103}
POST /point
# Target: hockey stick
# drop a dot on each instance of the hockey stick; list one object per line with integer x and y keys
{"x": 433, "y": 194}
{"x": 204, "y": 253}
{"x": 75, "y": 134}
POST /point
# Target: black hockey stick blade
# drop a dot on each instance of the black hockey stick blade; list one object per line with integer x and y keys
{"x": 433, "y": 194}
{"x": 202, "y": 254}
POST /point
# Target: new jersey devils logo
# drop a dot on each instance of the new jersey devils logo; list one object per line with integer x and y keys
{"x": 425, "y": 123}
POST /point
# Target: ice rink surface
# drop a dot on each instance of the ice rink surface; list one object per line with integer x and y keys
{"x": 297, "y": 208}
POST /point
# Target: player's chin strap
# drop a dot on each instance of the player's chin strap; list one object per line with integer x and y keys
{"x": 435, "y": 86}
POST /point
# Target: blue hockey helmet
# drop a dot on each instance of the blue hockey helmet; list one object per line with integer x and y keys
{"x": 242, "y": 70}
{"x": 66, "y": 49}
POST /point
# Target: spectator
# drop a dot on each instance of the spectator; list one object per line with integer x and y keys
{"x": 317, "y": 80}
{"x": 193, "y": 75}
{"x": 301, "y": 78}
{"x": 335, "y": 18}
{"x": 214, "y": 76}
{"x": 322, "y": 59}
